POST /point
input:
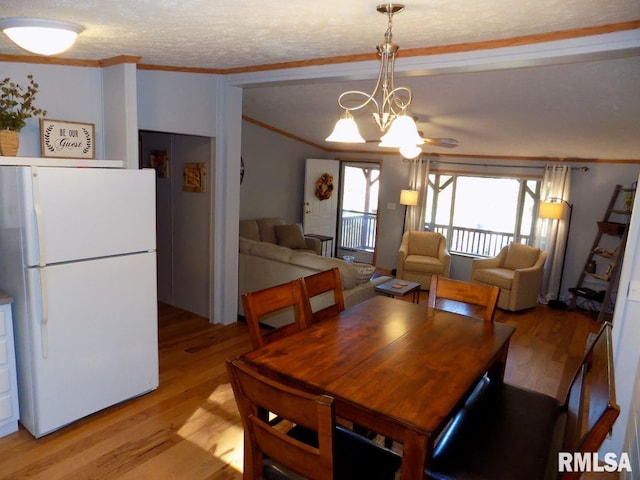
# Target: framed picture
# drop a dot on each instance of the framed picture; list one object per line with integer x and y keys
{"x": 62, "y": 139}
{"x": 194, "y": 177}
{"x": 159, "y": 160}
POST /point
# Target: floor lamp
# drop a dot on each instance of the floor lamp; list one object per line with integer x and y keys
{"x": 554, "y": 210}
{"x": 408, "y": 198}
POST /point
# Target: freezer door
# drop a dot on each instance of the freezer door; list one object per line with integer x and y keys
{"x": 94, "y": 338}
{"x": 79, "y": 213}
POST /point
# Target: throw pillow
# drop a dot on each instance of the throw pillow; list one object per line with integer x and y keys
{"x": 521, "y": 256}
{"x": 290, "y": 236}
{"x": 364, "y": 272}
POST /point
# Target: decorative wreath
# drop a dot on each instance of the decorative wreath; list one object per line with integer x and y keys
{"x": 324, "y": 186}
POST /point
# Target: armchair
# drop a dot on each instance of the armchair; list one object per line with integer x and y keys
{"x": 421, "y": 255}
{"x": 517, "y": 270}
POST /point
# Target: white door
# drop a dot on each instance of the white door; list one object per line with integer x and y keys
{"x": 79, "y": 213}
{"x": 320, "y": 216}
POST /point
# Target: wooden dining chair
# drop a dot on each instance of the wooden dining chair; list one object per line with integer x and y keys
{"x": 484, "y": 296}
{"x": 507, "y": 432}
{"x": 329, "y": 452}
{"x": 321, "y": 283}
{"x": 259, "y": 304}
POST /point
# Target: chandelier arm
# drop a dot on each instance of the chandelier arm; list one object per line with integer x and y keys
{"x": 370, "y": 97}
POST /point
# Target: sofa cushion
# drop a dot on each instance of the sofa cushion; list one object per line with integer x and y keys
{"x": 424, "y": 243}
{"x": 290, "y": 236}
{"x": 422, "y": 264}
{"x": 500, "y": 277}
{"x": 265, "y": 227}
{"x": 521, "y": 256}
{"x": 245, "y": 245}
{"x": 249, "y": 229}
{"x": 272, "y": 251}
{"x": 348, "y": 272}
{"x": 364, "y": 272}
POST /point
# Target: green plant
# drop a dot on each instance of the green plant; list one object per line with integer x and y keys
{"x": 16, "y": 104}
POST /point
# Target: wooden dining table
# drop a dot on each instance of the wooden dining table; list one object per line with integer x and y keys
{"x": 394, "y": 367}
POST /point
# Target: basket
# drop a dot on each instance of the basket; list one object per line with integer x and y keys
{"x": 611, "y": 228}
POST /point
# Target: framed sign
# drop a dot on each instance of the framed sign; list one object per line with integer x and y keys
{"x": 194, "y": 177}
{"x": 62, "y": 139}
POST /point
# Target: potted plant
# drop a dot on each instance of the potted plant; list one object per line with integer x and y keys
{"x": 16, "y": 106}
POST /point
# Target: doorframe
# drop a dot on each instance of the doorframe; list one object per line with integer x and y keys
{"x": 380, "y": 164}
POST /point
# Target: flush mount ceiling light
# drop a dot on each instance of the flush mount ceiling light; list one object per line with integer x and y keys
{"x": 40, "y": 35}
{"x": 391, "y": 106}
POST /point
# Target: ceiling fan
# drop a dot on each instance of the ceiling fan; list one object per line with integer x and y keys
{"x": 434, "y": 142}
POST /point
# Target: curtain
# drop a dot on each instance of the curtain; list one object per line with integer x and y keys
{"x": 550, "y": 234}
{"x": 418, "y": 178}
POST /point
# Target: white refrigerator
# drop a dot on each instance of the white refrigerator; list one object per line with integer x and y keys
{"x": 77, "y": 254}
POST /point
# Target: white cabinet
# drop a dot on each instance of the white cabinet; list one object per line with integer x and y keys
{"x": 9, "y": 413}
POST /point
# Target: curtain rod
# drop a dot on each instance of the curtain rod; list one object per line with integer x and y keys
{"x": 406, "y": 160}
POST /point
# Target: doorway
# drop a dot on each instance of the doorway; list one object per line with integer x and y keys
{"x": 183, "y": 218}
{"x": 358, "y": 213}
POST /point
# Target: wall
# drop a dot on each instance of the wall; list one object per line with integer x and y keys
{"x": 274, "y": 174}
{"x": 177, "y": 102}
{"x": 66, "y": 93}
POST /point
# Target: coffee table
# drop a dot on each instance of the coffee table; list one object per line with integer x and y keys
{"x": 397, "y": 288}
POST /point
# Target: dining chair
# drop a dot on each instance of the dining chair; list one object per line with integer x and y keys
{"x": 508, "y": 432}
{"x": 330, "y": 452}
{"x": 485, "y": 296}
{"x": 259, "y": 304}
{"x": 321, "y": 283}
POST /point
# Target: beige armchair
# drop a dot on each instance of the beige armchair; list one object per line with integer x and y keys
{"x": 517, "y": 270}
{"x": 421, "y": 255}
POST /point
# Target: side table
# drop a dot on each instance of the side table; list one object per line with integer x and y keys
{"x": 397, "y": 288}
{"x": 326, "y": 243}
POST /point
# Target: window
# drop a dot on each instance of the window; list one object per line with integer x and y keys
{"x": 480, "y": 215}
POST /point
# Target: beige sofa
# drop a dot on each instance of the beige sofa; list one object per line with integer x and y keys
{"x": 263, "y": 264}
{"x": 517, "y": 270}
{"x": 277, "y": 231}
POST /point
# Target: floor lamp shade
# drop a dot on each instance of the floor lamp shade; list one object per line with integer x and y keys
{"x": 552, "y": 210}
{"x": 408, "y": 197}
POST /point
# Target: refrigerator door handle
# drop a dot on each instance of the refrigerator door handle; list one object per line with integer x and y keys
{"x": 38, "y": 213}
{"x": 44, "y": 318}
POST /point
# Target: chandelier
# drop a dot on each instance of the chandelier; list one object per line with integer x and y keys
{"x": 397, "y": 126}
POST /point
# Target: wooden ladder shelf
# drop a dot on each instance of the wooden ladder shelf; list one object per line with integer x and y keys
{"x": 599, "y": 278}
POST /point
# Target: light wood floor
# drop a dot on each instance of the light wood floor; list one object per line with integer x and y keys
{"x": 188, "y": 428}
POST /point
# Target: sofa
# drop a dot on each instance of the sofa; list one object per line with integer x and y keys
{"x": 277, "y": 231}
{"x": 421, "y": 255}
{"x": 265, "y": 264}
{"x": 517, "y": 270}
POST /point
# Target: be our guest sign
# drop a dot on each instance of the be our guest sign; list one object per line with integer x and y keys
{"x": 62, "y": 139}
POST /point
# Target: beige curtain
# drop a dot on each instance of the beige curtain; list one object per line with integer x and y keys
{"x": 418, "y": 178}
{"x": 551, "y": 235}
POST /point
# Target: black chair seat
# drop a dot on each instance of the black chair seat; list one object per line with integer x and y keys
{"x": 506, "y": 432}
{"x": 355, "y": 457}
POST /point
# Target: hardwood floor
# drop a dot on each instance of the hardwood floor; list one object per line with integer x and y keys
{"x": 188, "y": 428}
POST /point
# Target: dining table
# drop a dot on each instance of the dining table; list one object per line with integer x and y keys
{"x": 397, "y": 368}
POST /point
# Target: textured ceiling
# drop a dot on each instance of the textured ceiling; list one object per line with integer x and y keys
{"x": 585, "y": 109}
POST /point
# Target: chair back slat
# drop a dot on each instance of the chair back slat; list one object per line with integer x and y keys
{"x": 323, "y": 282}
{"x": 257, "y": 305}
{"x": 590, "y": 401}
{"x": 254, "y": 392}
{"x": 473, "y": 293}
